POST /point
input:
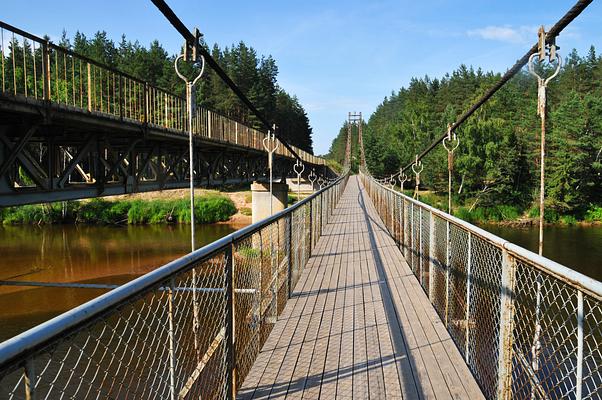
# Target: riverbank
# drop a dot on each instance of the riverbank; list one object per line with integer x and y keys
{"x": 511, "y": 215}
{"x": 165, "y": 207}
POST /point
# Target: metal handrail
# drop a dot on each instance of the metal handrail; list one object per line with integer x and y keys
{"x": 18, "y": 348}
{"x": 592, "y": 286}
{"x": 525, "y": 325}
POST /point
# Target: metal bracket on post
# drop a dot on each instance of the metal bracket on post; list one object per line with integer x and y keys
{"x": 544, "y": 50}
{"x": 270, "y": 144}
{"x": 230, "y": 325}
{"x": 312, "y": 179}
{"x": 417, "y": 167}
{"x": 190, "y": 110}
{"x": 450, "y": 143}
{"x": 298, "y": 168}
{"x": 403, "y": 178}
{"x": 432, "y": 244}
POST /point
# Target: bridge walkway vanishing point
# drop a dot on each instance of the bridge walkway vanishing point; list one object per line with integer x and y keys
{"x": 359, "y": 324}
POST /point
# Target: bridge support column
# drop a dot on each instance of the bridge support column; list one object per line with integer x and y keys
{"x": 261, "y": 199}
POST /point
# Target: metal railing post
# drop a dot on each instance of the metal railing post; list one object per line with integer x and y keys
{"x": 29, "y": 379}
{"x": 290, "y": 255}
{"x": 432, "y": 244}
{"x": 172, "y": 341}
{"x": 46, "y": 67}
{"x": 121, "y": 99}
{"x": 506, "y": 339}
{"x": 208, "y": 123}
{"x": 230, "y": 332}
{"x": 89, "y": 72}
{"x": 447, "y": 270}
{"x": 468, "y": 283}
{"x": 579, "y": 372}
{"x": 311, "y": 235}
{"x": 420, "y": 248}
{"x": 146, "y": 103}
{"x": 404, "y": 236}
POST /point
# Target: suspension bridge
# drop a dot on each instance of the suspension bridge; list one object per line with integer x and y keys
{"x": 357, "y": 291}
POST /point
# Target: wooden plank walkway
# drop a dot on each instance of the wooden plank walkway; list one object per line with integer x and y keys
{"x": 358, "y": 325}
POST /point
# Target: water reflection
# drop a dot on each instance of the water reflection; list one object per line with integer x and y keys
{"x": 578, "y": 247}
{"x": 91, "y": 254}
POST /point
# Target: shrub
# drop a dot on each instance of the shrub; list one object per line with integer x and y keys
{"x": 568, "y": 220}
{"x": 594, "y": 214}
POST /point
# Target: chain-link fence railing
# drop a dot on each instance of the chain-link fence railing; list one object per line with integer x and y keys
{"x": 189, "y": 329}
{"x": 526, "y": 326}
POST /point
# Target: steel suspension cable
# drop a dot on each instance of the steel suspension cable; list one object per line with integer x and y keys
{"x": 190, "y": 38}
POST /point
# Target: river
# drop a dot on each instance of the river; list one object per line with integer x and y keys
{"x": 115, "y": 255}
{"x": 90, "y": 254}
{"x": 576, "y": 246}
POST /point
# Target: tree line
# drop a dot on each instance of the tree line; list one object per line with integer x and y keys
{"x": 497, "y": 162}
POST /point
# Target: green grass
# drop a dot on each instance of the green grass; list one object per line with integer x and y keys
{"x": 246, "y": 211}
{"x": 208, "y": 209}
{"x": 488, "y": 214}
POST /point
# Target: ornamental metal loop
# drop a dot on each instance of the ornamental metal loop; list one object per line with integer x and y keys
{"x": 312, "y": 178}
{"x": 298, "y": 167}
{"x": 403, "y": 178}
{"x": 270, "y": 144}
{"x": 417, "y": 167}
{"x": 392, "y": 182}
{"x": 450, "y": 143}
{"x": 183, "y": 77}
{"x": 321, "y": 182}
{"x": 542, "y": 82}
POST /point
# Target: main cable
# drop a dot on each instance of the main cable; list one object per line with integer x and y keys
{"x": 189, "y": 37}
{"x": 550, "y": 36}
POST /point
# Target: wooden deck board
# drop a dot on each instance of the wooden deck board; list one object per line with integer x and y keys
{"x": 359, "y": 324}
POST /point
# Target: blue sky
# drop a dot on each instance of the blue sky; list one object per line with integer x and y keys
{"x": 336, "y": 56}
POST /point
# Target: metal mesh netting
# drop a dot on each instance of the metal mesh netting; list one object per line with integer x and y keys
{"x": 483, "y": 323}
{"x": 425, "y": 221}
{"x": 126, "y": 353}
{"x": 526, "y": 328}
{"x": 194, "y": 332}
{"x": 457, "y": 286}
{"x": 439, "y": 255}
{"x": 545, "y": 335}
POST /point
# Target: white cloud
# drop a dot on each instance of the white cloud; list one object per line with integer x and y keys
{"x": 507, "y": 33}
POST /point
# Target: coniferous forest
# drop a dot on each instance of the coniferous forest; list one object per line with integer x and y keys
{"x": 497, "y": 163}
{"x": 256, "y": 76}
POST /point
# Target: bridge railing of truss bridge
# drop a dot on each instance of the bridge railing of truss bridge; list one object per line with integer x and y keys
{"x": 36, "y": 69}
{"x": 189, "y": 329}
{"x": 526, "y": 326}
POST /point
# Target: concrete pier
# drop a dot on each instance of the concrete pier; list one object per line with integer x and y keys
{"x": 261, "y": 199}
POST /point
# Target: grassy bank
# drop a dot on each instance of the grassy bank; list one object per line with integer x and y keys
{"x": 511, "y": 214}
{"x": 208, "y": 209}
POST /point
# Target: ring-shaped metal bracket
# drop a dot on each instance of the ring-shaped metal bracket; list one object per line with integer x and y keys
{"x": 270, "y": 137}
{"x": 184, "y": 78}
{"x": 454, "y": 142}
{"x": 299, "y": 164}
{"x": 417, "y": 167}
{"x": 541, "y": 80}
{"x": 403, "y": 178}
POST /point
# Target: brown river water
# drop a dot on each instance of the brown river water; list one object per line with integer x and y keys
{"x": 88, "y": 254}
{"x": 115, "y": 255}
